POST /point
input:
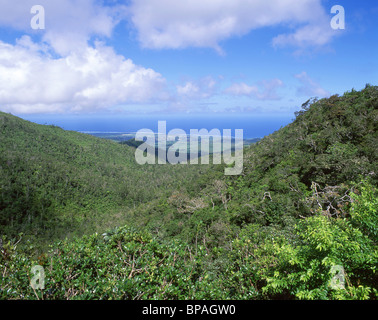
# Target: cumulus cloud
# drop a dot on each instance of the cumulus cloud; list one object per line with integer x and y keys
{"x": 69, "y": 23}
{"x": 201, "y": 89}
{"x": 70, "y": 69}
{"x": 198, "y": 23}
{"x": 32, "y": 81}
{"x": 63, "y": 72}
{"x": 309, "y": 87}
{"x": 266, "y": 90}
{"x": 316, "y": 34}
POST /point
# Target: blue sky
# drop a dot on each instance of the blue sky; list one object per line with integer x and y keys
{"x": 182, "y": 57}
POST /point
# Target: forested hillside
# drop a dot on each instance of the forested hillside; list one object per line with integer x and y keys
{"x": 55, "y": 182}
{"x": 305, "y": 205}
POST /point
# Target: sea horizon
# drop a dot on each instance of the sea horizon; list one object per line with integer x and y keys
{"x": 253, "y": 126}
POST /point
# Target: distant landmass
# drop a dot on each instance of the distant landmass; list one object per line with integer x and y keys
{"x": 128, "y": 138}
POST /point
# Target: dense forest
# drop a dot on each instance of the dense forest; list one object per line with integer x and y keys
{"x": 304, "y": 210}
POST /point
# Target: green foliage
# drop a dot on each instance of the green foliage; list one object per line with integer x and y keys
{"x": 121, "y": 264}
{"x": 263, "y": 262}
{"x": 55, "y": 182}
{"x": 302, "y": 214}
{"x": 302, "y": 269}
{"x": 364, "y": 211}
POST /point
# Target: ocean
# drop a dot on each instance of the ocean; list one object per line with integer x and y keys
{"x": 254, "y": 126}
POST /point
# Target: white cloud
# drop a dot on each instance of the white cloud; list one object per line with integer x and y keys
{"x": 189, "y": 89}
{"x": 198, "y": 23}
{"x": 265, "y": 90}
{"x": 316, "y": 34}
{"x": 63, "y": 73}
{"x": 241, "y": 89}
{"x": 32, "y": 81}
{"x": 201, "y": 89}
{"x": 69, "y": 23}
{"x": 309, "y": 87}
